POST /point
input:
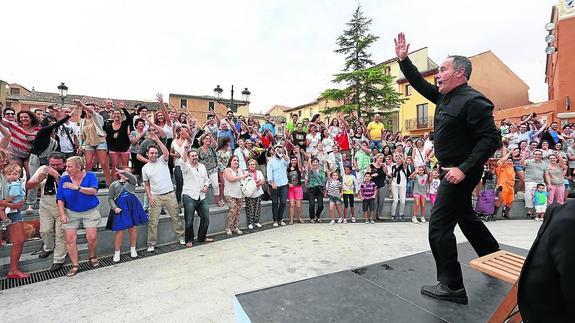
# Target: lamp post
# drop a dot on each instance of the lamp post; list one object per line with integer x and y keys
{"x": 63, "y": 90}
{"x": 230, "y": 105}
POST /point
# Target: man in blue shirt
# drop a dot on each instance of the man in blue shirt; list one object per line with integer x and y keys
{"x": 268, "y": 125}
{"x": 278, "y": 180}
{"x": 226, "y": 132}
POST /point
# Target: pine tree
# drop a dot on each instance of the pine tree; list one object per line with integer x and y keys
{"x": 367, "y": 87}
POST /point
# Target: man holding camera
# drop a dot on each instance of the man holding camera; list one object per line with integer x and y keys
{"x": 278, "y": 181}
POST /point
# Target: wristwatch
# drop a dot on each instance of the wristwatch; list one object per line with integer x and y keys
{"x": 79, "y": 188}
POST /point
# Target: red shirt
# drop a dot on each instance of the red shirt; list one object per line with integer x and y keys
{"x": 342, "y": 140}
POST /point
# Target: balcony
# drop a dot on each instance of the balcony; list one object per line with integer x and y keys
{"x": 418, "y": 124}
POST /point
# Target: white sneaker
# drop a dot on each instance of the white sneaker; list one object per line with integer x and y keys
{"x": 372, "y": 222}
{"x": 133, "y": 252}
{"x": 414, "y": 220}
{"x": 344, "y": 221}
{"x": 151, "y": 249}
{"x": 353, "y": 219}
{"x": 258, "y": 225}
{"x": 275, "y": 224}
{"x": 332, "y": 222}
{"x": 182, "y": 241}
{"x": 250, "y": 227}
{"x": 282, "y": 223}
{"x": 238, "y": 231}
{"x": 340, "y": 220}
{"x": 366, "y": 221}
{"x": 423, "y": 220}
{"x": 116, "y": 257}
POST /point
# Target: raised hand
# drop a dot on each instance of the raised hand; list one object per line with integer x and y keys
{"x": 401, "y": 46}
{"x": 160, "y": 98}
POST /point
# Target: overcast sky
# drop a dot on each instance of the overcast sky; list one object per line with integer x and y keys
{"x": 282, "y": 50}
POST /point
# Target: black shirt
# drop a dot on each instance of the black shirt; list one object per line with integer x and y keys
{"x": 118, "y": 140}
{"x": 465, "y": 133}
{"x": 42, "y": 139}
{"x": 379, "y": 180}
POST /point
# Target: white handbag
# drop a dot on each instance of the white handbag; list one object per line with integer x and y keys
{"x": 248, "y": 186}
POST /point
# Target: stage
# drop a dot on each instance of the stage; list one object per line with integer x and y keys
{"x": 382, "y": 292}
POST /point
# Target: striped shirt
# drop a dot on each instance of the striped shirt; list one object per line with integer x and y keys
{"x": 334, "y": 188}
{"x": 368, "y": 190}
{"x": 21, "y": 140}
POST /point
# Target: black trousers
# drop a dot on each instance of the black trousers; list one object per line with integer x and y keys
{"x": 313, "y": 194}
{"x": 453, "y": 206}
{"x": 279, "y": 197}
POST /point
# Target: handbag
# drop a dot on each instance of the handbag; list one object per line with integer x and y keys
{"x": 248, "y": 186}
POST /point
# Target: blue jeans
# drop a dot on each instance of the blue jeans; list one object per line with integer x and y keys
{"x": 376, "y": 144}
{"x": 190, "y": 207}
{"x": 279, "y": 197}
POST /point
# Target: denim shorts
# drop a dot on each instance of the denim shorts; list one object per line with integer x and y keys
{"x": 15, "y": 217}
{"x": 100, "y": 146}
{"x": 518, "y": 168}
{"x": 334, "y": 199}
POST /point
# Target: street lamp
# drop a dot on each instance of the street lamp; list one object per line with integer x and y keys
{"x": 63, "y": 90}
{"x": 230, "y": 104}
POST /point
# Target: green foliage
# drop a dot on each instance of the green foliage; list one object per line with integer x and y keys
{"x": 366, "y": 87}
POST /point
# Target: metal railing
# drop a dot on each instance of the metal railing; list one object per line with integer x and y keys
{"x": 418, "y": 123}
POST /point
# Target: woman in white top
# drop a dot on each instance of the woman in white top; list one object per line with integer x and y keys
{"x": 176, "y": 152}
{"x": 233, "y": 194}
{"x": 398, "y": 186}
{"x": 312, "y": 140}
{"x": 327, "y": 142}
{"x": 334, "y": 128}
{"x": 243, "y": 154}
{"x": 254, "y": 202}
{"x": 418, "y": 154}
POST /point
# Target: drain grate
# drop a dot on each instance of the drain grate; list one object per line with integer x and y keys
{"x": 107, "y": 261}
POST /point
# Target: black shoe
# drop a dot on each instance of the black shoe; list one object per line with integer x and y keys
{"x": 444, "y": 293}
{"x": 56, "y": 267}
{"x": 44, "y": 254}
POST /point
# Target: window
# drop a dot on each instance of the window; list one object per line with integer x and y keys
{"x": 211, "y": 105}
{"x": 299, "y": 113}
{"x": 422, "y": 116}
{"x": 14, "y": 91}
{"x": 390, "y": 122}
{"x": 408, "y": 90}
{"x": 387, "y": 70}
{"x": 183, "y": 103}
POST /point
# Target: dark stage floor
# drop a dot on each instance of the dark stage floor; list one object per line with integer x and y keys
{"x": 384, "y": 292}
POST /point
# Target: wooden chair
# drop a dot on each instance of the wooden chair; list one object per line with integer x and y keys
{"x": 505, "y": 266}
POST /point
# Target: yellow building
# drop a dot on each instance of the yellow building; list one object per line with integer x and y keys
{"x": 415, "y": 115}
{"x": 308, "y": 110}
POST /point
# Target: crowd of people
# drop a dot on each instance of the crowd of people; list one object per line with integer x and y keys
{"x": 46, "y": 155}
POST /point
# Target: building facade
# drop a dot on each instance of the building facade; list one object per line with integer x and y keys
{"x": 200, "y": 106}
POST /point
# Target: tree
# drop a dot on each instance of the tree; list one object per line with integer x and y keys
{"x": 367, "y": 87}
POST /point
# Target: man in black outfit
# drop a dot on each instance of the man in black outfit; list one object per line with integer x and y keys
{"x": 465, "y": 137}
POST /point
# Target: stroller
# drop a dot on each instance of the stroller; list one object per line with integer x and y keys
{"x": 485, "y": 206}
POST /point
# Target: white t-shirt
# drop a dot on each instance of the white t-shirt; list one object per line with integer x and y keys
{"x": 259, "y": 176}
{"x": 434, "y": 185}
{"x": 313, "y": 142}
{"x": 158, "y": 174}
{"x": 242, "y": 155}
{"x": 180, "y": 150}
{"x": 65, "y": 143}
{"x": 327, "y": 145}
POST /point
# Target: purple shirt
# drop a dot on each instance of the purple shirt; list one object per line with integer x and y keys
{"x": 368, "y": 190}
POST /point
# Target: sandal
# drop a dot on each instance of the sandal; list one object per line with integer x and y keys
{"x": 94, "y": 262}
{"x": 301, "y": 220}
{"x": 73, "y": 271}
{"x": 189, "y": 245}
{"x": 18, "y": 275}
{"x": 221, "y": 204}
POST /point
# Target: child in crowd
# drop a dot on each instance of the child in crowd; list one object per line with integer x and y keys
{"x": 349, "y": 185}
{"x": 126, "y": 211}
{"x": 540, "y": 201}
{"x": 15, "y": 190}
{"x": 367, "y": 192}
{"x": 421, "y": 180}
{"x": 505, "y": 185}
{"x": 333, "y": 190}
{"x": 409, "y": 169}
{"x": 433, "y": 186}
